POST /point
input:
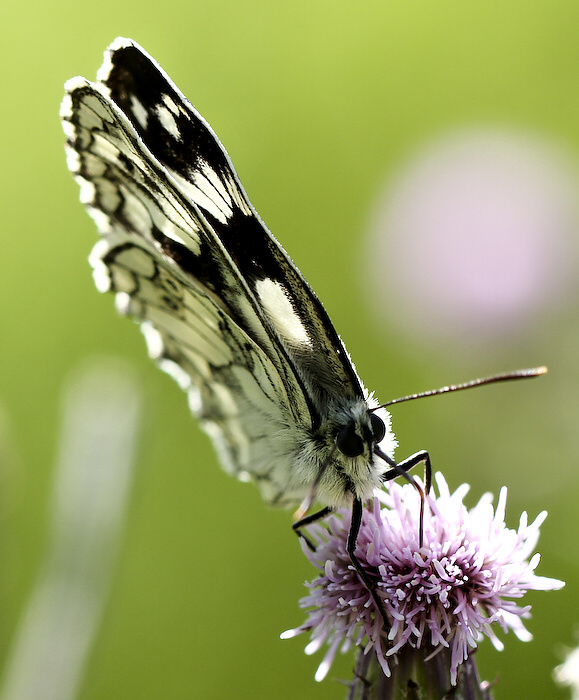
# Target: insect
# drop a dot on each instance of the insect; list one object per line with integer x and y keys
{"x": 223, "y": 308}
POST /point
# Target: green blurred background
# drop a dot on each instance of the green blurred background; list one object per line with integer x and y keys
{"x": 318, "y": 103}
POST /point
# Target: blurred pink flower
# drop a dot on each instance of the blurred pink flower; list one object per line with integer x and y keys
{"x": 476, "y": 236}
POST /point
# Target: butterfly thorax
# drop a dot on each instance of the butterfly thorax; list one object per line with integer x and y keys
{"x": 336, "y": 457}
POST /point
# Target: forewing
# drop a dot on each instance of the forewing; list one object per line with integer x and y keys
{"x": 183, "y": 142}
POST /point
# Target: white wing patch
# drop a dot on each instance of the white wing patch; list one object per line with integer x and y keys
{"x": 139, "y": 111}
{"x": 168, "y": 121}
{"x": 281, "y": 313}
{"x": 170, "y": 104}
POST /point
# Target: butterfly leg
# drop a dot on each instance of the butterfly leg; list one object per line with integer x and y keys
{"x": 302, "y": 522}
{"x": 355, "y": 523}
{"x": 357, "y": 510}
{"x": 402, "y": 469}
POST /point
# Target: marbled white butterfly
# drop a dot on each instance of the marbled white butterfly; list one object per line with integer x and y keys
{"x": 223, "y": 308}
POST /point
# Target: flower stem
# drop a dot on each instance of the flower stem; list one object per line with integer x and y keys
{"x": 416, "y": 675}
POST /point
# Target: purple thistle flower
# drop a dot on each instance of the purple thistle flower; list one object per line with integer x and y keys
{"x": 448, "y": 594}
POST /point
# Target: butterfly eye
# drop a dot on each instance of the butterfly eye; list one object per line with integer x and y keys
{"x": 349, "y": 442}
{"x": 378, "y": 427}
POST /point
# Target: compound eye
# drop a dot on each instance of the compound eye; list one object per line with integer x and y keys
{"x": 348, "y": 442}
{"x": 378, "y": 427}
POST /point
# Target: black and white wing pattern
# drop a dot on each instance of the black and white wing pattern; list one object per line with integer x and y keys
{"x": 223, "y": 308}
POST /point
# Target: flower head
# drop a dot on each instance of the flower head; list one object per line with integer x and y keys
{"x": 448, "y": 593}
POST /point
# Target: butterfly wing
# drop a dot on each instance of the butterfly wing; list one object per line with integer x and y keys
{"x": 180, "y": 139}
{"x": 223, "y": 308}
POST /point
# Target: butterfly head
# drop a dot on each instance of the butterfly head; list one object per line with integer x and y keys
{"x": 353, "y": 439}
{"x": 352, "y": 468}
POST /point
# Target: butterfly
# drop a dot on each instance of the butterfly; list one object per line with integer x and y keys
{"x": 223, "y": 308}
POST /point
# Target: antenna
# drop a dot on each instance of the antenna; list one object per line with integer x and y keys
{"x": 494, "y": 379}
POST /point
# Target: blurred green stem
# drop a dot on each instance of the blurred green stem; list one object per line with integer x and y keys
{"x": 92, "y": 483}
